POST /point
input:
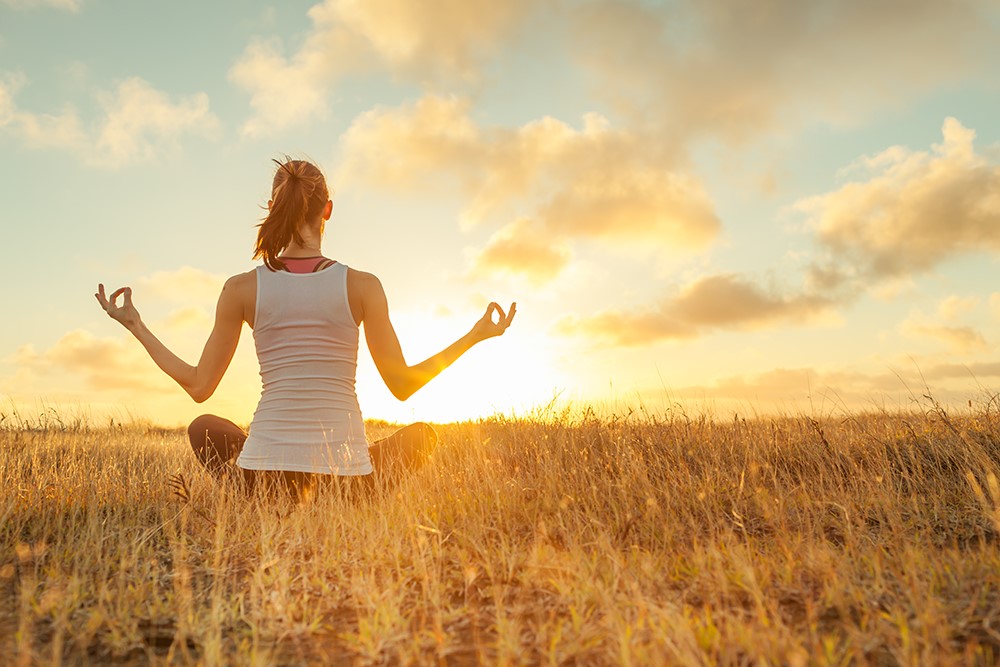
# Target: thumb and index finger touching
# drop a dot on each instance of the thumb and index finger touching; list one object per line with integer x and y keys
{"x": 503, "y": 319}
{"x": 108, "y": 302}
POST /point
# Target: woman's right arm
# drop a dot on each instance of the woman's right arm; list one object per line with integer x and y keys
{"x": 402, "y": 379}
{"x": 198, "y": 381}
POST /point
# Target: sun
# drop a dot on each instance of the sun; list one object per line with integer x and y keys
{"x": 510, "y": 374}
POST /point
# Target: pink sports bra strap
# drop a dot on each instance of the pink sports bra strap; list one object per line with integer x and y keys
{"x": 306, "y": 264}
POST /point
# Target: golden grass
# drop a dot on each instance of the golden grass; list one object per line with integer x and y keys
{"x": 864, "y": 539}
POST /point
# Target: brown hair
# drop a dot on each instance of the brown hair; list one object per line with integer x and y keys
{"x": 298, "y": 194}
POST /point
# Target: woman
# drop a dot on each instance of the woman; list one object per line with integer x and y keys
{"x": 305, "y": 311}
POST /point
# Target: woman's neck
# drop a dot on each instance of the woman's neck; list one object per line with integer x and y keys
{"x": 307, "y": 250}
{"x": 310, "y": 246}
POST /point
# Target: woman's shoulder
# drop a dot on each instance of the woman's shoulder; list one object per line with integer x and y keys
{"x": 363, "y": 289}
{"x": 242, "y": 284}
{"x": 362, "y": 279}
{"x": 242, "y": 279}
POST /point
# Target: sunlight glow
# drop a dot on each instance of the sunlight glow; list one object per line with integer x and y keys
{"x": 511, "y": 374}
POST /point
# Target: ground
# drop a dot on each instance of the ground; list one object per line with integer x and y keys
{"x": 562, "y": 538}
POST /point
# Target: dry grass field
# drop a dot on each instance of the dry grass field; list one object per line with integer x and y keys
{"x": 559, "y": 539}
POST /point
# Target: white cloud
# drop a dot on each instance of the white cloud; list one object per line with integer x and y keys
{"x": 284, "y": 92}
{"x": 891, "y": 289}
{"x": 106, "y": 364}
{"x": 737, "y": 70}
{"x": 137, "y": 122}
{"x": 960, "y": 339}
{"x": 114, "y": 375}
{"x": 426, "y": 42}
{"x": 140, "y": 118}
{"x": 952, "y": 307}
{"x": 711, "y": 303}
{"x": 946, "y": 326}
{"x": 438, "y": 39}
{"x": 62, "y": 130}
{"x": 190, "y": 318}
{"x": 914, "y": 210}
{"x": 186, "y": 285}
{"x": 906, "y": 212}
{"x": 516, "y": 250}
{"x": 548, "y": 183}
{"x": 846, "y": 388}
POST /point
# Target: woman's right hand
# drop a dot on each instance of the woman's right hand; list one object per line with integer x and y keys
{"x": 126, "y": 314}
{"x": 487, "y": 328}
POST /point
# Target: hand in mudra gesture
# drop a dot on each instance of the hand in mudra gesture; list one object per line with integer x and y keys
{"x": 487, "y": 328}
{"x": 126, "y": 313}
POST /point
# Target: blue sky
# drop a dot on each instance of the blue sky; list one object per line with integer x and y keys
{"x": 753, "y": 206}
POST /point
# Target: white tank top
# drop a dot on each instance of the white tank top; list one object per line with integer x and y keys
{"x": 308, "y": 418}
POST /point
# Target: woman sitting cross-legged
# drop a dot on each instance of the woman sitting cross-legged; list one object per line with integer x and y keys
{"x": 305, "y": 311}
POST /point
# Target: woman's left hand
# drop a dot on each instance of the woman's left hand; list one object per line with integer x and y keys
{"x": 487, "y": 328}
{"x": 126, "y": 313}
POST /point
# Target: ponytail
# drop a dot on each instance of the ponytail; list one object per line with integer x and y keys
{"x": 298, "y": 194}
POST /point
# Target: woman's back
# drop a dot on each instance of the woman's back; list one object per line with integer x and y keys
{"x": 308, "y": 418}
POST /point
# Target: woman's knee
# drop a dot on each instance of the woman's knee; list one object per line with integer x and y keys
{"x": 425, "y": 437}
{"x": 198, "y": 430}
{"x": 426, "y": 434}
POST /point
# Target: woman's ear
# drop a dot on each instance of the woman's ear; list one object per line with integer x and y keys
{"x": 328, "y": 209}
{"x": 270, "y": 203}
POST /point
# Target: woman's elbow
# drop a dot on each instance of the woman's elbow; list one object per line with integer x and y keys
{"x": 199, "y": 394}
{"x": 399, "y": 384}
{"x": 401, "y": 393}
{"x": 402, "y": 388}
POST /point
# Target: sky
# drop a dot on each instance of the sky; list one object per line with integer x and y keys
{"x": 777, "y": 206}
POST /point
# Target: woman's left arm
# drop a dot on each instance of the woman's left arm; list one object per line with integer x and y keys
{"x": 199, "y": 381}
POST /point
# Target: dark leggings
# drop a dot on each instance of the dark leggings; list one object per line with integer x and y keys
{"x": 217, "y": 443}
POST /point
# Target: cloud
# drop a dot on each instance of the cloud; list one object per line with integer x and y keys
{"x": 284, "y": 92}
{"x": 978, "y": 370}
{"x": 553, "y": 184}
{"x": 418, "y": 146}
{"x": 887, "y": 290}
{"x": 115, "y": 376}
{"x": 140, "y": 118}
{"x": 63, "y": 130}
{"x": 190, "y": 318}
{"x": 440, "y": 41}
{"x": 846, "y": 388}
{"x": 714, "y": 68}
{"x": 954, "y": 306}
{"x": 961, "y": 339}
{"x": 515, "y": 250}
{"x": 685, "y": 70}
{"x": 914, "y": 210}
{"x": 723, "y": 301}
{"x": 106, "y": 364}
{"x": 906, "y": 213}
{"x": 137, "y": 122}
{"x": 946, "y": 326}
{"x": 794, "y": 384}
{"x": 184, "y": 285}
{"x": 68, "y": 5}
